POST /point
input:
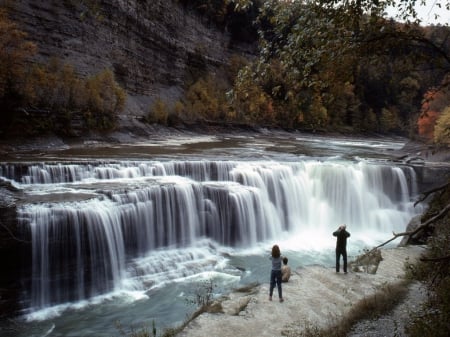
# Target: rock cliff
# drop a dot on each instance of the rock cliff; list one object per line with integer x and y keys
{"x": 154, "y": 47}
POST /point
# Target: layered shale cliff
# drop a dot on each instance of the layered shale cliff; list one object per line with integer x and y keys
{"x": 153, "y": 47}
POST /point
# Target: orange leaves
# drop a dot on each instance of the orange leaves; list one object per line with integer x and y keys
{"x": 435, "y": 101}
{"x": 426, "y": 124}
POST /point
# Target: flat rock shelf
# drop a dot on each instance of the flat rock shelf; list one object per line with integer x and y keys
{"x": 314, "y": 296}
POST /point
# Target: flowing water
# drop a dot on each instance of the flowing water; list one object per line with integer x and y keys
{"x": 132, "y": 233}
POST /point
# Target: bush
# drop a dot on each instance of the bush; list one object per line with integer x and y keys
{"x": 43, "y": 97}
{"x": 54, "y": 86}
{"x": 103, "y": 99}
{"x": 203, "y": 294}
{"x": 206, "y": 99}
{"x": 159, "y": 112}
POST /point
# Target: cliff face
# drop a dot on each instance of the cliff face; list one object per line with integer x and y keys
{"x": 154, "y": 47}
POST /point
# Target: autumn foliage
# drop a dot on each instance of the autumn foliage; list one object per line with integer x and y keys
{"x": 435, "y": 102}
{"x": 42, "y": 97}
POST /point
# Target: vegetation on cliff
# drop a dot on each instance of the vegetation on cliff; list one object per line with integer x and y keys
{"x": 320, "y": 66}
{"x": 36, "y": 98}
{"x": 327, "y": 65}
{"x": 330, "y": 67}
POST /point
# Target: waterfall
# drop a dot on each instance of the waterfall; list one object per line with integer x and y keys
{"x": 87, "y": 246}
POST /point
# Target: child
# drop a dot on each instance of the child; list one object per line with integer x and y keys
{"x": 285, "y": 270}
{"x": 275, "y": 274}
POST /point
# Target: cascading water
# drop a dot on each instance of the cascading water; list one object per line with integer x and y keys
{"x": 108, "y": 227}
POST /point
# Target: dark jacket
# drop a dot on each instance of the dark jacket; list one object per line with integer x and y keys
{"x": 341, "y": 242}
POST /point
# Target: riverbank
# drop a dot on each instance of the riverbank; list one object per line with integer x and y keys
{"x": 315, "y": 296}
{"x": 133, "y": 131}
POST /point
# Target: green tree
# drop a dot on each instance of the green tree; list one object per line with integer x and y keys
{"x": 250, "y": 102}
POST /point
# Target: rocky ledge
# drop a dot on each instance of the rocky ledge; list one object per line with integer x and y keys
{"x": 314, "y": 296}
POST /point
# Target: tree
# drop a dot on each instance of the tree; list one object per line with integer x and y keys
{"x": 442, "y": 128}
{"x": 158, "y": 113}
{"x": 104, "y": 99}
{"x": 436, "y": 100}
{"x": 322, "y": 45}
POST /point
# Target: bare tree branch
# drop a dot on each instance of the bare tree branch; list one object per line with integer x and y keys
{"x": 415, "y": 231}
{"x": 427, "y": 193}
{"x": 426, "y": 223}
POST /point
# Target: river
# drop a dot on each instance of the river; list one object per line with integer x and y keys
{"x": 130, "y": 234}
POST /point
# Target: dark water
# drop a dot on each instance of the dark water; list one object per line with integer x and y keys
{"x": 249, "y": 193}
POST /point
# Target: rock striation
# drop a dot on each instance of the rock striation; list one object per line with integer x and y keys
{"x": 154, "y": 47}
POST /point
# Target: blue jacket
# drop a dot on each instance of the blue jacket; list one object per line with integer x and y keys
{"x": 276, "y": 262}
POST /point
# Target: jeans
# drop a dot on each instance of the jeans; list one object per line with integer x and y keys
{"x": 275, "y": 278}
{"x": 338, "y": 257}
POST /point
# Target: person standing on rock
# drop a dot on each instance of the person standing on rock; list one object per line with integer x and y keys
{"x": 275, "y": 274}
{"x": 341, "y": 246}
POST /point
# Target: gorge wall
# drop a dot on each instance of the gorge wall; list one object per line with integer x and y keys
{"x": 153, "y": 47}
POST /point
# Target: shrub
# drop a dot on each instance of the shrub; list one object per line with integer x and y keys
{"x": 203, "y": 294}
{"x": 159, "y": 112}
{"x": 205, "y": 99}
{"x": 103, "y": 99}
{"x": 54, "y": 86}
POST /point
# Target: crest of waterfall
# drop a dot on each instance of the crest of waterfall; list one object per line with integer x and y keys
{"x": 137, "y": 210}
